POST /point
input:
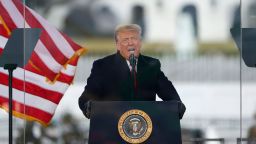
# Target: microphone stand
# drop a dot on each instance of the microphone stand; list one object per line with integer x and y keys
{"x": 10, "y": 68}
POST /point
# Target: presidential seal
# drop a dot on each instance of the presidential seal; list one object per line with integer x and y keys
{"x": 135, "y": 126}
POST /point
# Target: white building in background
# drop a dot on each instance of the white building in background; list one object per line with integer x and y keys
{"x": 210, "y": 19}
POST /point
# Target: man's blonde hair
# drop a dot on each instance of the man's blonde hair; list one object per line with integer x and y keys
{"x": 127, "y": 27}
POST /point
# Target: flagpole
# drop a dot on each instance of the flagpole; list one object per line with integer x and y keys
{"x": 10, "y": 68}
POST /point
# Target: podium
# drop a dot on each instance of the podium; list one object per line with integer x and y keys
{"x": 148, "y": 122}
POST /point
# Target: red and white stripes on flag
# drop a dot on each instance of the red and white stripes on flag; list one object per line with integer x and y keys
{"x": 3, "y": 36}
{"x": 54, "y": 58}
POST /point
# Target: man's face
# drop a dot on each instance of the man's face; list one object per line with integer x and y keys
{"x": 126, "y": 40}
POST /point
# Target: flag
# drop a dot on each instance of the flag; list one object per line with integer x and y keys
{"x": 39, "y": 86}
{"x": 3, "y": 36}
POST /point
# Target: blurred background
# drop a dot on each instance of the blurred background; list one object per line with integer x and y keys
{"x": 192, "y": 40}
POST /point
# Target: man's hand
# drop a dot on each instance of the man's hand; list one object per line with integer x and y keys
{"x": 182, "y": 109}
{"x": 87, "y": 110}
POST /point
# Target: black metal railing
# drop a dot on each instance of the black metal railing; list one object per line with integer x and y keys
{"x": 202, "y": 140}
{"x": 247, "y": 140}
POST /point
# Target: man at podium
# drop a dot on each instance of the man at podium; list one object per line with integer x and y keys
{"x": 127, "y": 75}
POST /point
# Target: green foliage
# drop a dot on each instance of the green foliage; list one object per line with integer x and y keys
{"x": 105, "y": 46}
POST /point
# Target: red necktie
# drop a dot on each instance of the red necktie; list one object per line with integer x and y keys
{"x": 135, "y": 79}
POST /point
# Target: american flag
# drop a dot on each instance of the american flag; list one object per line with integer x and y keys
{"x": 39, "y": 86}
